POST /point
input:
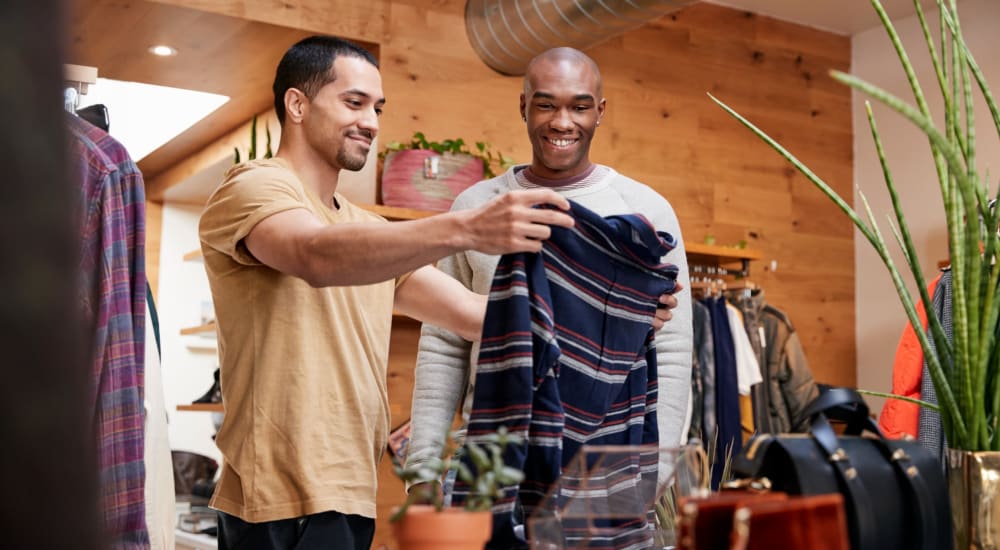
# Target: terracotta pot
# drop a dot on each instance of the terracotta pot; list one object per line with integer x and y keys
{"x": 424, "y": 528}
{"x": 424, "y": 180}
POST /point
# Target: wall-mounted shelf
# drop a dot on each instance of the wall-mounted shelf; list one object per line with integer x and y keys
{"x": 202, "y": 344}
{"x": 722, "y": 252}
{"x": 723, "y": 285}
{"x": 202, "y": 407}
{"x": 720, "y": 256}
{"x": 208, "y": 327}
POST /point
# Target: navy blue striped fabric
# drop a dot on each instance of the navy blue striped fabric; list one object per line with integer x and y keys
{"x": 567, "y": 354}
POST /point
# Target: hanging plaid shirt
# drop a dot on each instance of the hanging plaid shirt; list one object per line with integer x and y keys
{"x": 113, "y": 300}
{"x": 567, "y": 359}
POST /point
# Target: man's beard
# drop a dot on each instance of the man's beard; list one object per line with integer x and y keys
{"x": 350, "y": 162}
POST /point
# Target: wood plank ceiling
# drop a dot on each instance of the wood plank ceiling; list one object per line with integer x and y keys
{"x": 216, "y": 53}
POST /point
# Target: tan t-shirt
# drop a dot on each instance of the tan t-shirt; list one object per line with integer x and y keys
{"x": 303, "y": 369}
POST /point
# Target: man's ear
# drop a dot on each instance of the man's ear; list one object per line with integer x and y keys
{"x": 600, "y": 110}
{"x": 524, "y": 116}
{"x": 296, "y": 105}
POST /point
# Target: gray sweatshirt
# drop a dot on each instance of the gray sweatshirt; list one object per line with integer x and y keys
{"x": 445, "y": 374}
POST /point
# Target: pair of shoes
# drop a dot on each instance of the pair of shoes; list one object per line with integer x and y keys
{"x": 214, "y": 394}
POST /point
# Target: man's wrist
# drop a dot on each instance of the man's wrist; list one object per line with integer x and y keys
{"x": 461, "y": 237}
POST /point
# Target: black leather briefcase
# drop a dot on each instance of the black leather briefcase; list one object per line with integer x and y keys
{"x": 895, "y": 494}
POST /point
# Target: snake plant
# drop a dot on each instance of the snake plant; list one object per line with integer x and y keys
{"x": 966, "y": 371}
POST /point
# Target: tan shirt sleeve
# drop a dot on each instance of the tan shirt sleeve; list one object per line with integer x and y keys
{"x": 240, "y": 203}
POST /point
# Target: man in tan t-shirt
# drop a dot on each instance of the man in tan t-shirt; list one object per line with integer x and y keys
{"x": 304, "y": 285}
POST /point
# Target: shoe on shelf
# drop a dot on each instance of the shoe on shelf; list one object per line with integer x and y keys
{"x": 214, "y": 394}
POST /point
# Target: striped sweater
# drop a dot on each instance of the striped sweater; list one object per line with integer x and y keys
{"x": 567, "y": 359}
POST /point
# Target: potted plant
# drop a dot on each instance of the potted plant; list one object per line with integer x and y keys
{"x": 428, "y": 175}
{"x": 965, "y": 373}
{"x": 431, "y": 526}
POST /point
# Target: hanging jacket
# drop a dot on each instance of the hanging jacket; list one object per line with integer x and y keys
{"x": 930, "y": 430}
{"x": 567, "y": 359}
{"x": 898, "y": 417}
{"x": 788, "y": 385}
{"x": 702, "y": 375}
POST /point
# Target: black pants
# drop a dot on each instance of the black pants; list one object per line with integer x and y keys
{"x": 327, "y": 531}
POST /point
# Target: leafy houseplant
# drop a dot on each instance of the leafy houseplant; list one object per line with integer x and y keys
{"x": 484, "y": 151}
{"x": 965, "y": 372}
{"x": 432, "y": 526}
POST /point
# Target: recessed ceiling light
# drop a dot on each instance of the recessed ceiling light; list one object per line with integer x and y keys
{"x": 162, "y": 51}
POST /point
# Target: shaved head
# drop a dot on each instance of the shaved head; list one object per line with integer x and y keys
{"x": 569, "y": 58}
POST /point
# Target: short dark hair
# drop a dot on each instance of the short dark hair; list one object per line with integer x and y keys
{"x": 307, "y": 66}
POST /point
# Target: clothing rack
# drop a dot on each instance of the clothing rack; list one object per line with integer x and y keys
{"x": 719, "y": 286}
{"x": 715, "y": 270}
{"x": 78, "y": 79}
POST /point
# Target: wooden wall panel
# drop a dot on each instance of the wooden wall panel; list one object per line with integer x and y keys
{"x": 402, "y": 359}
{"x": 661, "y": 129}
{"x": 154, "y": 230}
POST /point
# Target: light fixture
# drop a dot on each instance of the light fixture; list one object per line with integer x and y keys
{"x": 162, "y": 50}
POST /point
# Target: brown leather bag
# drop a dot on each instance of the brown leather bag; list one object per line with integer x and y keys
{"x": 706, "y": 522}
{"x": 816, "y": 522}
{"x": 743, "y": 520}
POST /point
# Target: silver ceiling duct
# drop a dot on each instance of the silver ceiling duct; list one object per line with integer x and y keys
{"x": 508, "y": 33}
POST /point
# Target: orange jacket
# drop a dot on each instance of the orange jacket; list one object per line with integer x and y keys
{"x": 899, "y": 417}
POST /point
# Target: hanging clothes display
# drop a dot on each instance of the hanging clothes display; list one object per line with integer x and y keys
{"x": 756, "y": 379}
{"x": 788, "y": 385}
{"x": 567, "y": 358}
{"x": 113, "y": 302}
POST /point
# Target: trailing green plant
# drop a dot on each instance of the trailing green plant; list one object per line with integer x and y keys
{"x": 493, "y": 161}
{"x": 965, "y": 372}
{"x": 252, "y": 150}
{"x": 485, "y": 482}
